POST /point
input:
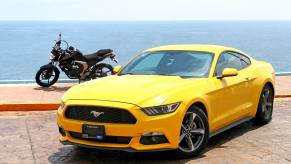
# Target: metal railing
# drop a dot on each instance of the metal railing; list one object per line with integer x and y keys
{"x": 33, "y": 81}
{"x": 283, "y": 73}
{"x": 75, "y": 81}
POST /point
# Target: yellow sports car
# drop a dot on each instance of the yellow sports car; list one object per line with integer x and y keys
{"x": 168, "y": 98}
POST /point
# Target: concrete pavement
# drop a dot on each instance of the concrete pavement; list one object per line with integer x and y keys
{"x": 283, "y": 85}
{"x": 32, "y": 137}
{"x": 31, "y": 96}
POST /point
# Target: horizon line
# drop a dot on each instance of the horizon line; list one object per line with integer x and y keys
{"x": 162, "y": 20}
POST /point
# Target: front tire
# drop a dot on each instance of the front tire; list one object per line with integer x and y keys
{"x": 265, "y": 107}
{"x": 46, "y": 77}
{"x": 194, "y": 133}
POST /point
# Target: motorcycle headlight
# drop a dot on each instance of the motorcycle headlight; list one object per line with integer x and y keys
{"x": 52, "y": 56}
{"x": 163, "y": 109}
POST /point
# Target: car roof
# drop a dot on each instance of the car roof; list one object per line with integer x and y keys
{"x": 195, "y": 47}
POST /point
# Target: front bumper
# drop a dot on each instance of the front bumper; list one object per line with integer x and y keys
{"x": 131, "y": 150}
{"x": 168, "y": 124}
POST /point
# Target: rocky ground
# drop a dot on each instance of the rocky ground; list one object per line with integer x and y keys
{"x": 32, "y": 137}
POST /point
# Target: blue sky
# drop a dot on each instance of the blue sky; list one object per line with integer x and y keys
{"x": 131, "y": 10}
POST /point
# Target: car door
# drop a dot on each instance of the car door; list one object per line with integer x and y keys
{"x": 249, "y": 88}
{"x": 230, "y": 95}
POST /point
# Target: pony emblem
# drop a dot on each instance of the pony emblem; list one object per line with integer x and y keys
{"x": 96, "y": 114}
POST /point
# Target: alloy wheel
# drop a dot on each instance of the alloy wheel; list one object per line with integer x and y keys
{"x": 267, "y": 103}
{"x": 103, "y": 72}
{"x": 46, "y": 76}
{"x": 192, "y": 132}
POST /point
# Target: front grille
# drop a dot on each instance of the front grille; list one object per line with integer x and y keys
{"x": 107, "y": 139}
{"x": 109, "y": 115}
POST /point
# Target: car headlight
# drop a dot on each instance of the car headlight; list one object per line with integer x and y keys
{"x": 163, "y": 109}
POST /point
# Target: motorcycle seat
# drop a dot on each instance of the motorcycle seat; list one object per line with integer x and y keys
{"x": 98, "y": 54}
{"x": 91, "y": 57}
{"x": 103, "y": 52}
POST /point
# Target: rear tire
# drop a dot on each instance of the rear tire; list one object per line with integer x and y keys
{"x": 102, "y": 70}
{"x": 265, "y": 107}
{"x": 43, "y": 77}
{"x": 194, "y": 133}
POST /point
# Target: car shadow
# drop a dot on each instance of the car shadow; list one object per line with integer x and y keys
{"x": 71, "y": 154}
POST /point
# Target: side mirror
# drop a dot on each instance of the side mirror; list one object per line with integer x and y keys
{"x": 117, "y": 69}
{"x": 227, "y": 72}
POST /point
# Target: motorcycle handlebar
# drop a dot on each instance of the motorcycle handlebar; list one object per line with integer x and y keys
{"x": 58, "y": 42}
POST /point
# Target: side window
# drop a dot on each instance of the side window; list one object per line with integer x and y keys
{"x": 227, "y": 60}
{"x": 245, "y": 61}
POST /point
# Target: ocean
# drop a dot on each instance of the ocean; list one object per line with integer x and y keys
{"x": 25, "y": 45}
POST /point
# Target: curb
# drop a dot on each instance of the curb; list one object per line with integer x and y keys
{"x": 29, "y": 107}
{"x": 55, "y": 106}
{"x": 283, "y": 96}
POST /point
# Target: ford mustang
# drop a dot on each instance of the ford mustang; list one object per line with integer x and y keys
{"x": 168, "y": 98}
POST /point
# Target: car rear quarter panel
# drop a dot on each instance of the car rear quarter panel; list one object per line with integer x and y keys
{"x": 264, "y": 73}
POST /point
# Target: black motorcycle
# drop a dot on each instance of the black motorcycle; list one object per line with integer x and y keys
{"x": 74, "y": 64}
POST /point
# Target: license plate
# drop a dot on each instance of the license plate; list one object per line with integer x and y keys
{"x": 93, "y": 131}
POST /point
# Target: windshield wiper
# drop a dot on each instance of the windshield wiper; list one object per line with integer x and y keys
{"x": 127, "y": 73}
{"x": 164, "y": 74}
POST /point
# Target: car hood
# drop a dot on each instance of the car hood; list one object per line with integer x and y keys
{"x": 141, "y": 90}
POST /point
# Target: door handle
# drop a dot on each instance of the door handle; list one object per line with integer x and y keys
{"x": 247, "y": 78}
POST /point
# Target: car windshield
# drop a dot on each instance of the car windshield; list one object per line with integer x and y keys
{"x": 171, "y": 63}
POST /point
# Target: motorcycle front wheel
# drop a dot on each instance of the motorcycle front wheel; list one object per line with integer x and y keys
{"x": 46, "y": 77}
{"x": 102, "y": 70}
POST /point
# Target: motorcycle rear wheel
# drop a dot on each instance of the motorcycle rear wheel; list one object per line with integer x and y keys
{"x": 46, "y": 77}
{"x": 102, "y": 70}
